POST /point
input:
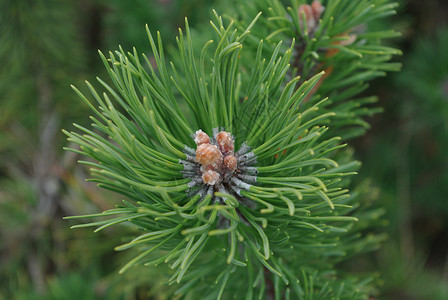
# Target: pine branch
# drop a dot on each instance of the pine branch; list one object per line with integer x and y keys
{"x": 341, "y": 38}
{"x": 231, "y": 176}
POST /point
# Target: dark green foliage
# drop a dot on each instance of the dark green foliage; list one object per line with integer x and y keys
{"x": 408, "y": 163}
{"x": 35, "y": 69}
{"x": 68, "y": 287}
{"x": 426, "y": 78}
{"x": 123, "y": 19}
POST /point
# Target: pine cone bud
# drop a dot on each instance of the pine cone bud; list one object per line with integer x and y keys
{"x": 230, "y": 162}
{"x": 208, "y": 155}
{"x": 225, "y": 142}
{"x": 201, "y": 138}
{"x": 309, "y": 16}
{"x": 312, "y": 13}
{"x": 211, "y": 177}
{"x": 317, "y": 9}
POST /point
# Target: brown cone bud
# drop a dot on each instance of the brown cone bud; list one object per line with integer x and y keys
{"x": 211, "y": 177}
{"x": 317, "y": 9}
{"x": 309, "y": 17}
{"x": 225, "y": 142}
{"x": 230, "y": 162}
{"x": 201, "y": 138}
{"x": 208, "y": 155}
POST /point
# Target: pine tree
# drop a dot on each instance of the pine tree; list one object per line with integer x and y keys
{"x": 229, "y": 158}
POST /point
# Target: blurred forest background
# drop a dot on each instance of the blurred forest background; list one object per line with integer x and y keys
{"x": 45, "y": 45}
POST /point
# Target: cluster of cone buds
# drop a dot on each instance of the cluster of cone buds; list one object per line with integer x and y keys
{"x": 217, "y": 160}
{"x": 312, "y": 15}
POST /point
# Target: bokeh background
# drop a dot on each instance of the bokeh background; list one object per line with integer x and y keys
{"x": 46, "y": 45}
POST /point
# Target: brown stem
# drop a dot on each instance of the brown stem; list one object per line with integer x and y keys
{"x": 270, "y": 291}
{"x": 46, "y": 182}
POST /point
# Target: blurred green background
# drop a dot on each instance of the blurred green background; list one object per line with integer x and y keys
{"x": 45, "y": 45}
